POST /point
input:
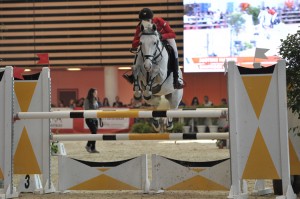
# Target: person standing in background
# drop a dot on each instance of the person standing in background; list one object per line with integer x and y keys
{"x": 105, "y": 102}
{"x": 91, "y": 103}
{"x": 72, "y": 104}
{"x": 208, "y": 121}
{"x": 206, "y": 102}
{"x": 195, "y": 102}
{"x": 117, "y": 103}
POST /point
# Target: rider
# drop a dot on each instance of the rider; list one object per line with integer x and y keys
{"x": 166, "y": 33}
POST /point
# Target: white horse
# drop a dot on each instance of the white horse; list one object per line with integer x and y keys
{"x": 150, "y": 71}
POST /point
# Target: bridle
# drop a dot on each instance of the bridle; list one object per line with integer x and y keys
{"x": 157, "y": 53}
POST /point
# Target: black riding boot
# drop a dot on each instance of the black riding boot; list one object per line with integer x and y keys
{"x": 129, "y": 78}
{"x": 177, "y": 84}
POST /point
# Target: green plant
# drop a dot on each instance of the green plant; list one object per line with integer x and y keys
{"x": 254, "y": 11}
{"x": 177, "y": 127}
{"x": 290, "y": 51}
{"x": 54, "y": 147}
{"x": 142, "y": 127}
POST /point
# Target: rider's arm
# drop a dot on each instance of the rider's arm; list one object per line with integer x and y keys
{"x": 167, "y": 32}
{"x": 136, "y": 39}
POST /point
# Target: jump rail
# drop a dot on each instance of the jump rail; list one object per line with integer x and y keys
{"x": 204, "y": 112}
{"x": 148, "y": 136}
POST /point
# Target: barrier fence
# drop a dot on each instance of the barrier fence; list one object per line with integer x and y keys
{"x": 135, "y": 136}
{"x": 204, "y": 112}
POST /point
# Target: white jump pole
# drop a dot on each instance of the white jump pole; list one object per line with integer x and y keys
{"x": 148, "y": 136}
{"x": 210, "y": 113}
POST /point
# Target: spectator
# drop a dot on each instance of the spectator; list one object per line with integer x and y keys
{"x": 195, "y": 102}
{"x": 80, "y": 102}
{"x": 91, "y": 103}
{"x": 72, "y": 104}
{"x": 117, "y": 103}
{"x": 193, "y": 122}
{"x": 207, "y": 121}
{"x": 224, "y": 102}
{"x": 206, "y": 102}
{"x": 61, "y": 103}
{"x": 105, "y": 102}
{"x": 182, "y": 104}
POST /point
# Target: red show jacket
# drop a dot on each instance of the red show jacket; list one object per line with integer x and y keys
{"x": 163, "y": 28}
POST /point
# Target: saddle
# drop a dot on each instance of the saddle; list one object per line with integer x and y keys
{"x": 171, "y": 60}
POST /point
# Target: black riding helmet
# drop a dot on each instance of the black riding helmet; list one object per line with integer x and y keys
{"x": 145, "y": 14}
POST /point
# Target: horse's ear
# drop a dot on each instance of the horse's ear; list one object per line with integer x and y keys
{"x": 142, "y": 28}
{"x": 154, "y": 27}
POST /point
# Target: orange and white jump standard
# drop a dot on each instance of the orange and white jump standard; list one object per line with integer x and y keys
{"x": 259, "y": 147}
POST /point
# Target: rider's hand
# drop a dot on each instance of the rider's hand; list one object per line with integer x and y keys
{"x": 160, "y": 36}
{"x": 133, "y": 50}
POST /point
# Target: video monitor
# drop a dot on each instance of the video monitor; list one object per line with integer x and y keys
{"x": 216, "y": 30}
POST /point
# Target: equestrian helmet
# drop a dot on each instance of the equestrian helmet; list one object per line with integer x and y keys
{"x": 145, "y": 14}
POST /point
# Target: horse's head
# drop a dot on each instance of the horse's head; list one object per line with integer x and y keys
{"x": 149, "y": 45}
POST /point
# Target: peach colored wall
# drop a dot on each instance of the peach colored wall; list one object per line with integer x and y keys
{"x": 81, "y": 80}
{"x": 125, "y": 89}
{"x": 197, "y": 84}
{"x": 214, "y": 85}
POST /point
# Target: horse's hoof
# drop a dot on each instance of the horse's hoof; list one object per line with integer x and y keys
{"x": 170, "y": 125}
{"x": 137, "y": 98}
{"x": 147, "y": 94}
{"x": 147, "y": 97}
{"x": 156, "y": 125}
{"x": 137, "y": 95}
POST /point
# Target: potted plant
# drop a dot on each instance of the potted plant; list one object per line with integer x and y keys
{"x": 177, "y": 127}
{"x": 214, "y": 125}
{"x": 201, "y": 126}
{"x": 142, "y": 127}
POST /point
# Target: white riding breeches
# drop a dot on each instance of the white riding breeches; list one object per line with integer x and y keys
{"x": 172, "y": 43}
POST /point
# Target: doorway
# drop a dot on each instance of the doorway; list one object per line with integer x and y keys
{"x": 65, "y": 95}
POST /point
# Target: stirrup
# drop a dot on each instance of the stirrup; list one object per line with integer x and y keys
{"x": 129, "y": 78}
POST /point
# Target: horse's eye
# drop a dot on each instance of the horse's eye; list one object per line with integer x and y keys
{"x": 154, "y": 43}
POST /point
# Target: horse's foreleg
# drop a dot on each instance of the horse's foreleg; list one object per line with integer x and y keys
{"x": 137, "y": 91}
{"x": 148, "y": 91}
{"x": 136, "y": 88}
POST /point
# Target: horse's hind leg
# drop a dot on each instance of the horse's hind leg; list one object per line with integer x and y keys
{"x": 174, "y": 100}
{"x": 169, "y": 124}
{"x": 155, "y": 124}
{"x": 154, "y": 101}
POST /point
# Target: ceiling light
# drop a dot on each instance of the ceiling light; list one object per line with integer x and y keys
{"x": 124, "y": 68}
{"x": 27, "y": 70}
{"x": 74, "y": 69}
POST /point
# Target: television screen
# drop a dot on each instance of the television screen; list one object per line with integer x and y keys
{"x": 215, "y": 31}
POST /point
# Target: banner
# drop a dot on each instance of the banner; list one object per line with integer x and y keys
{"x": 78, "y": 125}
